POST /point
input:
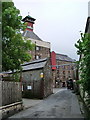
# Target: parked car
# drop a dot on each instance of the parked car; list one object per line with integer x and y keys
{"x": 70, "y": 84}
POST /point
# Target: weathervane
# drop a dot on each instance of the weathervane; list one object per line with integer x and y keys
{"x": 28, "y": 13}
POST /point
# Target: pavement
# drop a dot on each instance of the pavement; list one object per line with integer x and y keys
{"x": 27, "y": 103}
{"x": 62, "y": 104}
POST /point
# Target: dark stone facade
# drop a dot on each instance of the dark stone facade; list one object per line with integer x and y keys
{"x": 34, "y": 84}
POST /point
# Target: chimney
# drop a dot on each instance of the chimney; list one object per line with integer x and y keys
{"x": 30, "y": 21}
{"x": 53, "y": 60}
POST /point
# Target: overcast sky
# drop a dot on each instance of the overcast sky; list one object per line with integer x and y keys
{"x": 57, "y": 21}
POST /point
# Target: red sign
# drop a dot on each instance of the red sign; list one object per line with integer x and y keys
{"x": 53, "y": 60}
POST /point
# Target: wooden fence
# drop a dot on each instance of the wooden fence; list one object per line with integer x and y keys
{"x": 11, "y": 92}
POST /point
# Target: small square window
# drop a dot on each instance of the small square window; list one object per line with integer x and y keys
{"x": 37, "y": 48}
{"x": 63, "y": 77}
{"x": 63, "y": 72}
{"x": 69, "y": 72}
{"x": 37, "y": 57}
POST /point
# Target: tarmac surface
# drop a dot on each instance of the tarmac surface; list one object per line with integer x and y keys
{"x": 62, "y": 104}
{"x": 32, "y": 102}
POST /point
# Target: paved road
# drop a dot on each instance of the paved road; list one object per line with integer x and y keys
{"x": 62, "y": 104}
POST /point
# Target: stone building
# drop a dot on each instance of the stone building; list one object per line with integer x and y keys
{"x": 37, "y": 79}
{"x": 42, "y": 49}
{"x": 87, "y": 28}
{"x": 62, "y": 68}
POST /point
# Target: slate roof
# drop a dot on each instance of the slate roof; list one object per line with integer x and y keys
{"x": 63, "y": 57}
{"x": 30, "y": 34}
{"x": 29, "y": 17}
{"x": 34, "y": 64}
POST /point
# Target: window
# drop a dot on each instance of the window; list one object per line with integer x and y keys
{"x": 37, "y": 57}
{"x": 72, "y": 68}
{"x": 69, "y": 76}
{"x": 68, "y": 67}
{"x": 57, "y": 71}
{"x": 63, "y": 67}
{"x": 37, "y": 48}
{"x": 63, "y": 77}
{"x": 63, "y": 72}
{"x": 69, "y": 72}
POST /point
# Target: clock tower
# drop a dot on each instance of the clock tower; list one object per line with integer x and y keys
{"x": 30, "y": 21}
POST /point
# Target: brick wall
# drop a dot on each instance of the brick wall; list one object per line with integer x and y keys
{"x": 63, "y": 73}
{"x": 43, "y": 52}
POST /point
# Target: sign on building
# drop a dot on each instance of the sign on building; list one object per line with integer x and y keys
{"x": 29, "y": 87}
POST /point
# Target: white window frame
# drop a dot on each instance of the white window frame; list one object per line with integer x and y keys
{"x": 37, "y": 48}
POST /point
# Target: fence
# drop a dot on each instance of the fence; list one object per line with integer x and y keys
{"x": 11, "y": 92}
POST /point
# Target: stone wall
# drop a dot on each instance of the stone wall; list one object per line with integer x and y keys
{"x": 9, "y": 110}
{"x": 31, "y": 83}
{"x": 35, "y": 86}
{"x": 48, "y": 81}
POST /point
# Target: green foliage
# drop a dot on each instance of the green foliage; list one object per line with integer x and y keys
{"x": 83, "y": 46}
{"x": 14, "y": 46}
{"x": 16, "y": 77}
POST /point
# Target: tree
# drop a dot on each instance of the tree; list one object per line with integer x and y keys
{"x": 14, "y": 46}
{"x": 83, "y": 46}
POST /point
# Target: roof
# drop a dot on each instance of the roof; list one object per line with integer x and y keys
{"x": 29, "y": 17}
{"x": 87, "y": 28}
{"x": 63, "y": 57}
{"x": 34, "y": 64}
{"x": 30, "y": 34}
{"x": 34, "y": 61}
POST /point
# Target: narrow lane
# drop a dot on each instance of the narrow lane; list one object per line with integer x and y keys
{"x": 62, "y": 104}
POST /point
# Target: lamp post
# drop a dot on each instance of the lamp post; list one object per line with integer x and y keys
{"x": 42, "y": 84}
